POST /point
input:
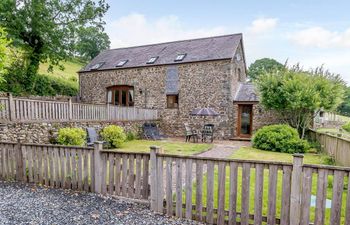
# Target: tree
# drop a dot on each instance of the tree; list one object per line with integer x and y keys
{"x": 91, "y": 41}
{"x": 298, "y": 95}
{"x": 46, "y": 29}
{"x": 5, "y": 58}
{"x": 262, "y": 66}
{"x": 344, "y": 108}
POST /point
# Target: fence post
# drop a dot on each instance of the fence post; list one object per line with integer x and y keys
{"x": 19, "y": 161}
{"x": 11, "y": 108}
{"x": 154, "y": 175}
{"x": 70, "y": 109}
{"x": 296, "y": 185}
{"x": 98, "y": 146}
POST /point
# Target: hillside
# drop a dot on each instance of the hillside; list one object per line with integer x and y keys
{"x": 69, "y": 73}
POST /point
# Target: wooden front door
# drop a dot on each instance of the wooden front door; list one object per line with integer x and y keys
{"x": 245, "y": 121}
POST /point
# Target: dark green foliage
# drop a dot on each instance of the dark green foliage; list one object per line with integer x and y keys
{"x": 91, "y": 41}
{"x": 45, "y": 85}
{"x": 262, "y": 66}
{"x": 315, "y": 146}
{"x": 344, "y": 108}
{"x": 15, "y": 83}
{"x": 131, "y": 136}
{"x": 298, "y": 95}
{"x": 46, "y": 30}
{"x": 329, "y": 160}
{"x": 346, "y": 127}
{"x": 51, "y": 86}
{"x": 279, "y": 138}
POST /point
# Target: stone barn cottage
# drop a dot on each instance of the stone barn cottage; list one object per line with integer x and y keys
{"x": 177, "y": 77}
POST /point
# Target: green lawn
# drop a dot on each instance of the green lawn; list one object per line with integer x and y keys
{"x": 170, "y": 147}
{"x": 255, "y": 154}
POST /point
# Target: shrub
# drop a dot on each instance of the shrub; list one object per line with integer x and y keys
{"x": 71, "y": 136}
{"x": 279, "y": 138}
{"x": 113, "y": 135}
{"x": 44, "y": 85}
{"x": 346, "y": 127}
{"x": 329, "y": 160}
{"x": 131, "y": 136}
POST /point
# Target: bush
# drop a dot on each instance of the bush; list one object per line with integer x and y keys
{"x": 131, "y": 136}
{"x": 346, "y": 127}
{"x": 279, "y": 138}
{"x": 51, "y": 86}
{"x": 113, "y": 135}
{"x": 44, "y": 86}
{"x": 71, "y": 136}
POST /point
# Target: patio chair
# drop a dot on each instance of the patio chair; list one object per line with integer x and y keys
{"x": 92, "y": 136}
{"x": 151, "y": 132}
{"x": 208, "y": 132}
{"x": 190, "y": 133}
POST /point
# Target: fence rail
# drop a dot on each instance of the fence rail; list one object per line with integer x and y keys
{"x": 215, "y": 191}
{"x": 28, "y": 110}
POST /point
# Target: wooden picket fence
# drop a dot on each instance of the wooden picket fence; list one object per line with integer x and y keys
{"x": 337, "y": 147}
{"x": 28, "y": 110}
{"x": 214, "y": 191}
{"x": 230, "y": 191}
{"x": 76, "y": 168}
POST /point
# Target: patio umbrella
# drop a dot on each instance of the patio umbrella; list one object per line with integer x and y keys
{"x": 207, "y": 129}
{"x": 204, "y": 112}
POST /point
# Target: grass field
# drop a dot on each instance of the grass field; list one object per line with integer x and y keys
{"x": 170, "y": 147}
{"x": 255, "y": 154}
{"x": 70, "y": 70}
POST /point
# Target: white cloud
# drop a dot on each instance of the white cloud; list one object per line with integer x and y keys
{"x": 321, "y": 38}
{"x": 262, "y": 25}
{"x": 136, "y": 29}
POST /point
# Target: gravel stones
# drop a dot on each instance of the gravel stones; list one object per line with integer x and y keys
{"x": 28, "y": 204}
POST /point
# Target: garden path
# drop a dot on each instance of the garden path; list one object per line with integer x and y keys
{"x": 220, "y": 149}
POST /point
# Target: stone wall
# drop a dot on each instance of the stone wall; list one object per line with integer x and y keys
{"x": 261, "y": 117}
{"x": 202, "y": 84}
{"x": 46, "y": 132}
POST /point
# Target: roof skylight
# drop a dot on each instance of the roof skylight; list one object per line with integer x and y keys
{"x": 122, "y": 63}
{"x": 96, "y": 66}
{"x": 152, "y": 60}
{"x": 180, "y": 57}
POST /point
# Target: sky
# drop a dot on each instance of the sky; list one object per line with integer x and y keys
{"x": 312, "y": 33}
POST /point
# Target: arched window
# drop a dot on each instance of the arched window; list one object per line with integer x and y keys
{"x": 122, "y": 95}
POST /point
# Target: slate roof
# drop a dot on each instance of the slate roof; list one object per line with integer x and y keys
{"x": 246, "y": 93}
{"x": 202, "y": 49}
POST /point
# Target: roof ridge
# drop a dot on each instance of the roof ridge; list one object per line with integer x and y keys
{"x": 168, "y": 42}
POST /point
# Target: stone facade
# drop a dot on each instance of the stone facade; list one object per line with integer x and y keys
{"x": 201, "y": 84}
{"x": 261, "y": 117}
{"x": 212, "y": 83}
{"x": 46, "y": 133}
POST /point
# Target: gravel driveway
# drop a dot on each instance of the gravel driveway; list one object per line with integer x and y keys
{"x": 27, "y": 204}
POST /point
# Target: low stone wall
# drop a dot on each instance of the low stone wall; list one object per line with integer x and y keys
{"x": 45, "y": 133}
